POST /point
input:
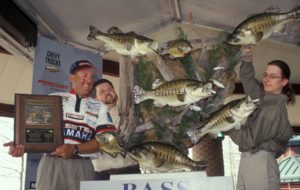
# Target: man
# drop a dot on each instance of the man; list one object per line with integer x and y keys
{"x": 83, "y": 118}
{"x": 106, "y": 165}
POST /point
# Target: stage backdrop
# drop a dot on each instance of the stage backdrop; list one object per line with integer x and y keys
{"x": 51, "y": 70}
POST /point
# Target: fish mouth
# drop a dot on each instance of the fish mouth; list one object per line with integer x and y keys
{"x": 233, "y": 40}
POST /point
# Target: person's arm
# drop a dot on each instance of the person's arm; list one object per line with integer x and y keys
{"x": 251, "y": 85}
{"x": 14, "y": 150}
{"x": 265, "y": 128}
{"x": 67, "y": 150}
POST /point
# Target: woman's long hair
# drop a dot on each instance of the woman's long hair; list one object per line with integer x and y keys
{"x": 286, "y": 72}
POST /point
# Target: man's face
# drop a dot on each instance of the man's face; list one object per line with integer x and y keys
{"x": 106, "y": 93}
{"x": 82, "y": 81}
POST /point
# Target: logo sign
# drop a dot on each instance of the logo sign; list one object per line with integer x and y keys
{"x": 166, "y": 181}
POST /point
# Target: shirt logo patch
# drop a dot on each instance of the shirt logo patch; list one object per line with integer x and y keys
{"x": 92, "y": 114}
{"x": 75, "y": 116}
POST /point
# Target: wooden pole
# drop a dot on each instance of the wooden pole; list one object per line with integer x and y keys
{"x": 126, "y": 106}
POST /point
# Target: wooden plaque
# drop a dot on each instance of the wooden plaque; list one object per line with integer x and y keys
{"x": 38, "y": 122}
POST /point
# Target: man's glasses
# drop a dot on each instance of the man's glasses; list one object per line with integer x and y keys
{"x": 271, "y": 76}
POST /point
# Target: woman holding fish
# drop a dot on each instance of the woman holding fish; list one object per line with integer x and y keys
{"x": 265, "y": 135}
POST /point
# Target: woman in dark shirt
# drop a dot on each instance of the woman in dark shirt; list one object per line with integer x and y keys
{"x": 265, "y": 135}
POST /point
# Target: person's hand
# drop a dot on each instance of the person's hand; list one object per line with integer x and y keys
{"x": 247, "y": 53}
{"x": 14, "y": 150}
{"x": 64, "y": 151}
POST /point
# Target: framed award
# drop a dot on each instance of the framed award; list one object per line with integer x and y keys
{"x": 38, "y": 122}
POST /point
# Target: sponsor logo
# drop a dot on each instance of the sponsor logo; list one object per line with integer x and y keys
{"x": 77, "y": 135}
{"x": 79, "y": 127}
{"x": 92, "y": 114}
{"x": 91, "y": 122}
{"x": 52, "y": 68}
{"x": 51, "y": 84}
{"x": 95, "y": 106}
{"x": 165, "y": 185}
{"x": 53, "y": 58}
{"x": 75, "y": 116}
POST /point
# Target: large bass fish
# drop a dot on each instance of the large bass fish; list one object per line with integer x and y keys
{"x": 129, "y": 43}
{"x": 261, "y": 26}
{"x": 108, "y": 142}
{"x": 226, "y": 118}
{"x": 158, "y": 157}
{"x": 175, "y": 93}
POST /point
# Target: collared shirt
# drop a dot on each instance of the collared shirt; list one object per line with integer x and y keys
{"x": 83, "y": 118}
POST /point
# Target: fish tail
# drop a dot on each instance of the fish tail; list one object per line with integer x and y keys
{"x": 93, "y": 33}
{"x": 138, "y": 94}
{"x": 193, "y": 135}
{"x": 296, "y": 12}
{"x": 200, "y": 165}
{"x": 123, "y": 154}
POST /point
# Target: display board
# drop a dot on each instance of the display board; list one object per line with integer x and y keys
{"x": 161, "y": 181}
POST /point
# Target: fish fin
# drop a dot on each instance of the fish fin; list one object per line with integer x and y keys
{"x": 200, "y": 165}
{"x": 131, "y": 33}
{"x": 218, "y": 84}
{"x": 157, "y": 83}
{"x": 180, "y": 50}
{"x": 238, "y": 126}
{"x": 258, "y": 36}
{"x": 195, "y": 108}
{"x": 108, "y": 47}
{"x": 273, "y": 9}
{"x": 212, "y": 135}
{"x": 296, "y": 12}
{"x": 230, "y": 119}
{"x": 181, "y": 97}
{"x": 193, "y": 135}
{"x": 138, "y": 94}
{"x": 172, "y": 57}
{"x": 123, "y": 154}
{"x": 252, "y": 15}
{"x": 170, "y": 43}
{"x": 281, "y": 30}
{"x": 217, "y": 68}
{"x": 114, "y": 155}
{"x": 158, "y": 162}
{"x": 156, "y": 103}
{"x": 129, "y": 45}
{"x": 114, "y": 30}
